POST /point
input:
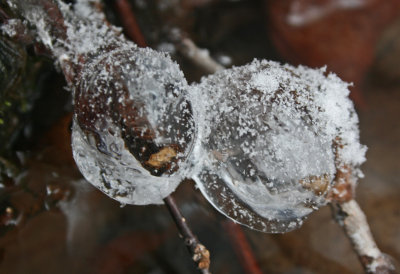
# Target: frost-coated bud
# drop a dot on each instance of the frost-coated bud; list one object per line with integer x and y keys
{"x": 265, "y": 153}
{"x": 133, "y": 127}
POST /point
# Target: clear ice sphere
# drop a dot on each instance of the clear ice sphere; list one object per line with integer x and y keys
{"x": 133, "y": 125}
{"x": 264, "y": 153}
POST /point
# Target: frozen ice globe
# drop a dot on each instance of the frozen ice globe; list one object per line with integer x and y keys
{"x": 133, "y": 125}
{"x": 265, "y": 152}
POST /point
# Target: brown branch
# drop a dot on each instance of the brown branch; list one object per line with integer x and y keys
{"x": 53, "y": 18}
{"x": 350, "y": 216}
{"x": 202, "y": 58}
{"x": 242, "y": 247}
{"x": 199, "y": 252}
{"x": 3, "y": 16}
{"x": 129, "y": 24}
{"x": 185, "y": 46}
{"x": 243, "y": 250}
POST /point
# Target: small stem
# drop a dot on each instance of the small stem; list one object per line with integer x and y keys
{"x": 200, "y": 254}
{"x": 350, "y": 216}
{"x": 202, "y": 58}
{"x": 352, "y": 219}
{"x": 242, "y": 247}
{"x": 185, "y": 46}
{"x": 198, "y": 56}
{"x": 243, "y": 251}
{"x": 129, "y": 23}
{"x": 3, "y": 16}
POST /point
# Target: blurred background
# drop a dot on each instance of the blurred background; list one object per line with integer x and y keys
{"x": 53, "y": 221}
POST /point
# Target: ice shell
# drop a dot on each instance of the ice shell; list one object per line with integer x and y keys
{"x": 264, "y": 154}
{"x": 133, "y": 125}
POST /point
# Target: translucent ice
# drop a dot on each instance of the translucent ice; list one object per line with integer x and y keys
{"x": 133, "y": 127}
{"x": 263, "y": 141}
{"x": 265, "y": 150}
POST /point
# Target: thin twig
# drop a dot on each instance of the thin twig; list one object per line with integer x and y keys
{"x": 3, "y": 16}
{"x": 185, "y": 46}
{"x": 234, "y": 231}
{"x": 200, "y": 57}
{"x": 129, "y": 23}
{"x": 243, "y": 250}
{"x": 242, "y": 247}
{"x": 350, "y": 216}
{"x": 199, "y": 252}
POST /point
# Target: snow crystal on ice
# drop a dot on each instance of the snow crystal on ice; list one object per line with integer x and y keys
{"x": 71, "y": 30}
{"x": 133, "y": 120}
{"x": 265, "y": 153}
{"x": 10, "y": 28}
{"x": 133, "y": 125}
{"x": 265, "y": 81}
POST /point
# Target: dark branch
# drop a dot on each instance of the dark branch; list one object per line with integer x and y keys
{"x": 242, "y": 247}
{"x": 199, "y": 252}
{"x": 128, "y": 20}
